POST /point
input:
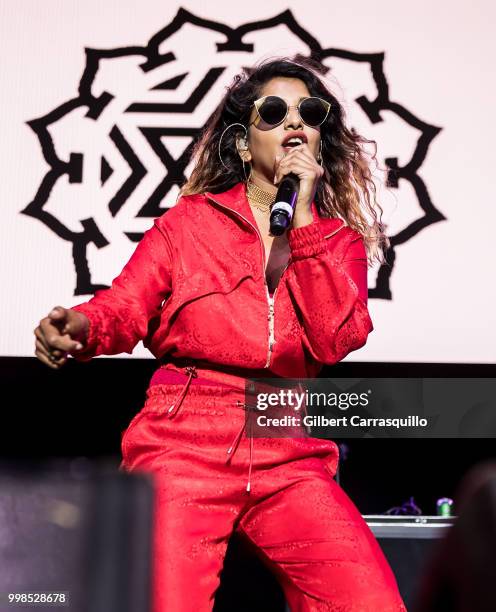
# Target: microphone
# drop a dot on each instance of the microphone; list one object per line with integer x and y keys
{"x": 281, "y": 212}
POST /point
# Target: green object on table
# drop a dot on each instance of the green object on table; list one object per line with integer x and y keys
{"x": 443, "y": 506}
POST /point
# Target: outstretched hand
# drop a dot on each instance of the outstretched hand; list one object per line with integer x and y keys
{"x": 62, "y": 332}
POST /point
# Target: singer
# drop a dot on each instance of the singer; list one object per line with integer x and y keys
{"x": 218, "y": 299}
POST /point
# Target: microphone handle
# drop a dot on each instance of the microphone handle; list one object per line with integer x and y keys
{"x": 281, "y": 212}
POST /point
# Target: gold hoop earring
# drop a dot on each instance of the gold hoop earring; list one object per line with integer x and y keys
{"x": 319, "y": 158}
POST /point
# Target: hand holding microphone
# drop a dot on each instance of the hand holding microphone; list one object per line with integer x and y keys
{"x": 297, "y": 173}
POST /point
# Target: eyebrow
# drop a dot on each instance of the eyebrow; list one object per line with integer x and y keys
{"x": 286, "y": 100}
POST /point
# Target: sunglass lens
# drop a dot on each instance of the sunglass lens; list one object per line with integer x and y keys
{"x": 272, "y": 110}
{"x": 313, "y": 111}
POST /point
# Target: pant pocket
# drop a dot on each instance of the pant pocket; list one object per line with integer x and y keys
{"x": 125, "y": 436}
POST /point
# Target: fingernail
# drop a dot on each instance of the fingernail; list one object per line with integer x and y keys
{"x": 53, "y": 312}
{"x": 79, "y": 346}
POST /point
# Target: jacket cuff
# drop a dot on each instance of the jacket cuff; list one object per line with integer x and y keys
{"x": 306, "y": 241}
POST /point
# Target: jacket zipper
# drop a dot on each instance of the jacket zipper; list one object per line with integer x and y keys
{"x": 270, "y": 300}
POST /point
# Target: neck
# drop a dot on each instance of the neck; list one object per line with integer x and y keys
{"x": 262, "y": 183}
{"x": 260, "y": 197}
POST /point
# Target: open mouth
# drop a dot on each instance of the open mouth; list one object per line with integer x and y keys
{"x": 294, "y": 140}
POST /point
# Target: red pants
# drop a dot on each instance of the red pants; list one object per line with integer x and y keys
{"x": 299, "y": 520}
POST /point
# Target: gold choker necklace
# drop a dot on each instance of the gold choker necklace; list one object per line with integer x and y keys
{"x": 259, "y": 198}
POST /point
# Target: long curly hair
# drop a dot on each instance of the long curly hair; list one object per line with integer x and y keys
{"x": 346, "y": 190}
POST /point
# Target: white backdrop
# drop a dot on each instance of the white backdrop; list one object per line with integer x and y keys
{"x": 89, "y": 161}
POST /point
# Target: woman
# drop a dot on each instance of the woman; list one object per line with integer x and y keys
{"x": 219, "y": 300}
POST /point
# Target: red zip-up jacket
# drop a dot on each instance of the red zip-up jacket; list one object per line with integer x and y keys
{"x": 195, "y": 288}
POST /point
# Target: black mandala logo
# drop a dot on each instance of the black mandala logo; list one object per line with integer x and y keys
{"x": 118, "y": 152}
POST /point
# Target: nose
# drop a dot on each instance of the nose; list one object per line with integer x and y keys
{"x": 293, "y": 119}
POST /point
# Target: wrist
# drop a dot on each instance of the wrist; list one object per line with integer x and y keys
{"x": 301, "y": 218}
{"x": 83, "y": 325}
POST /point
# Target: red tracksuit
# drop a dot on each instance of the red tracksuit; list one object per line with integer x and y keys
{"x": 195, "y": 292}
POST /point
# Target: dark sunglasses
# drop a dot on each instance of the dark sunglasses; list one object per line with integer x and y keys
{"x": 273, "y": 110}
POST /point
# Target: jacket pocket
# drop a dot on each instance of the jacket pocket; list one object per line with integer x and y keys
{"x": 201, "y": 283}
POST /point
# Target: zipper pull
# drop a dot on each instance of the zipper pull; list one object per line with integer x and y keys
{"x": 192, "y": 373}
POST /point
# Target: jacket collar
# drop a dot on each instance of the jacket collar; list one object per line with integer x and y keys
{"x": 235, "y": 199}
